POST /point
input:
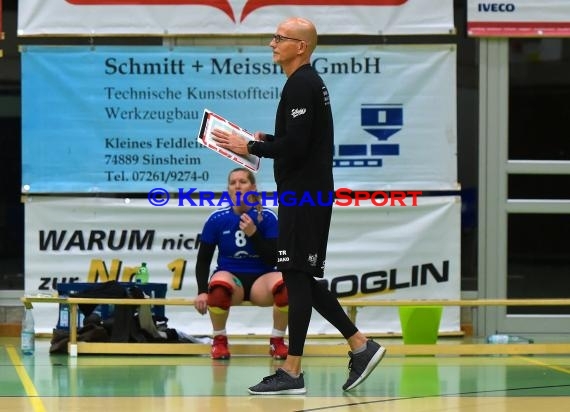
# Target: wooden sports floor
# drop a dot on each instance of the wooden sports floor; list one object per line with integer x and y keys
{"x": 44, "y": 382}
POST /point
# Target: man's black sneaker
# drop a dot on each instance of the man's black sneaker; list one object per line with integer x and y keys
{"x": 363, "y": 363}
{"x": 280, "y": 383}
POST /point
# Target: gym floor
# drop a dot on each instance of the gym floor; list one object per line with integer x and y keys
{"x": 44, "y": 382}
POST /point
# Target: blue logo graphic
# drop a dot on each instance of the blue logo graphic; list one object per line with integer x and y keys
{"x": 380, "y": 120}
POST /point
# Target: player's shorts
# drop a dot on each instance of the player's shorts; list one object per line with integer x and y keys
{"x": 303, "y": 238}
{"x": 246, "y": 281}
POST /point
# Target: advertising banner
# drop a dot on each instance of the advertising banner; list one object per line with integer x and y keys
{"x": 183, "y": 17}
{"x": 519, "y": 18}
{"x": 126, "y": 119}
{"x": 375, "y": 252}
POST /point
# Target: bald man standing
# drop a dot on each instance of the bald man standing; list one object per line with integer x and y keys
{"x": 302, "y": 147}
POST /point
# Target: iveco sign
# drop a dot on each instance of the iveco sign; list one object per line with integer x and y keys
{"x": 496, "y": 7}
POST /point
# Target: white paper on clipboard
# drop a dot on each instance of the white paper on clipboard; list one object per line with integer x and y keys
{"x": 211, "y": 121}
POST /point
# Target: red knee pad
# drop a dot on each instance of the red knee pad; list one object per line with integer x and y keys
{"x": 220, "y": 294}
{"x": 280, "y": 296}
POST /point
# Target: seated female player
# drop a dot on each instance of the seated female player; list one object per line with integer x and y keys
{"x": 246, "y": 238}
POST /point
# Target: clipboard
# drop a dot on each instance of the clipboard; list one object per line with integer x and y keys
{"x": 211, "y": 121}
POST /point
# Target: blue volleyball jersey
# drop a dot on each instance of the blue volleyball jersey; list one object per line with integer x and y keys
{"x": 236, "y": 253}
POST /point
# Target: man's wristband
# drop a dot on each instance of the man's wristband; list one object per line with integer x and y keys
{"x": 250, "y": 146}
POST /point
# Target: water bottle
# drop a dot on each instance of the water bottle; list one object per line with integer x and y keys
{"x": 64, "y": 316}
{"x": 28, "y": 337}
{"x": 501, "y": 338}
{"x": 142, "y": 274}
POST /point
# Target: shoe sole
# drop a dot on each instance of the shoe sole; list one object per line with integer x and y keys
{"x": 299, "y": 391}
{"x": 220, "y": 357}
{"x": 369, "y": 368}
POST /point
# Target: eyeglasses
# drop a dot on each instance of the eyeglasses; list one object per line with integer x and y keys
{"x": 277, "y": 38}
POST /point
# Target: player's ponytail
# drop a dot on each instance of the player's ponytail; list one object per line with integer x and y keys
{"x": 259, "y": 208}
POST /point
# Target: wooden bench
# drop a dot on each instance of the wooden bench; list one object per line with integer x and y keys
{"x": 322, "y": 348}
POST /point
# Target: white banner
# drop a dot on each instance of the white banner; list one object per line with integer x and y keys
{"x": 519, "y": 18}
{"x": 391, "y": 252}
{"x": 180, "y": 17}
